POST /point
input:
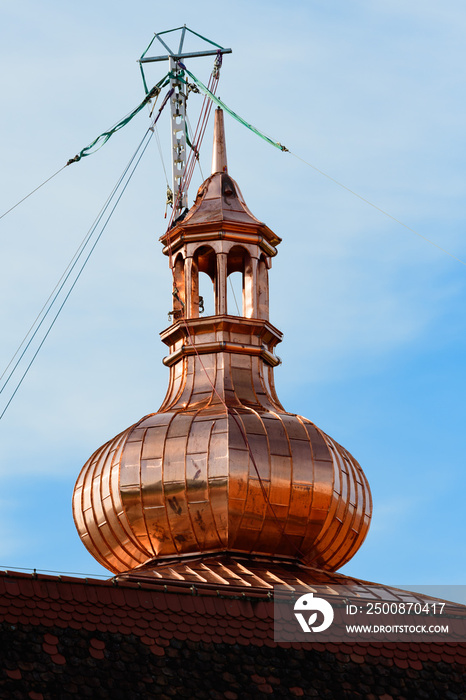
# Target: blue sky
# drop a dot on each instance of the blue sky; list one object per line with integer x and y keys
{"x": 374, "y": 317}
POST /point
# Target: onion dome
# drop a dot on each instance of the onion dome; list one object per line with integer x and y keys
{"x": 221, "y": 467}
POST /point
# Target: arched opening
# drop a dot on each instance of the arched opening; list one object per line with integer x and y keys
{"x": 235, "y": 294}
{"x": 240, "y": 270}
{"x": 203, "y": 281}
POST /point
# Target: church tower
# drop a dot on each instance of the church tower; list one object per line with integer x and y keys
{"x": 221, "y": 467}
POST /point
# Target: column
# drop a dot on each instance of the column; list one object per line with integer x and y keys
{"x": 250, "y": 288}
{"x": 221, "y": 284}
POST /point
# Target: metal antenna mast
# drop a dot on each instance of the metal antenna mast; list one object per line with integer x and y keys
{"x": 178, "y": 109}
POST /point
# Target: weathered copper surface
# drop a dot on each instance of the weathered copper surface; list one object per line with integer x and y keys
{"x": 240, "y": 574}
{"x": 219, "y": 153}
{"x": 221, "y": 466}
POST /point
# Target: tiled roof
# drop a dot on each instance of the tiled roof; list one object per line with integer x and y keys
{"x": 64, "y": 637}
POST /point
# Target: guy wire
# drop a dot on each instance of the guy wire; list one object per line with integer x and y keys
{"x": 81, "y": 269}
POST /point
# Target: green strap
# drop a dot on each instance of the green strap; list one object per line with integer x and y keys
{"x": 221, "y": 104}
{"x": 103, "y": 138}
{"x": 187, "y": 136}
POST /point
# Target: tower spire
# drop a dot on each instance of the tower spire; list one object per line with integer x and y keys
{"x": 219, "y": 151}
{"x": 221, "y": 466}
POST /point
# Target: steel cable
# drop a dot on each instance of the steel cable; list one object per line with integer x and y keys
{"x": 80, "y": 271}
{"x": 31, "y": 193}
{"x": 382, "y": 211}
{"x": 61, "y": 282}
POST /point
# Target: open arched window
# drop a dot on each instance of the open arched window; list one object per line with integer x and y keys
{"x": 204, "y": 274}
{"x": 235, "y": 293}
{"x": 241, "y": 288}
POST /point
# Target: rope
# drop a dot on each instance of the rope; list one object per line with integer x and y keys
{"x": 382, "y": 211}
{"x": 80, "y": 271}
{"x": 63, "y": 279}
{"x": 159, "y": 147}
{"x": 189, "y": 138}
{"x": 65, "y": 276}
{"x": 101, "y": 140}
{"x": 194, "y": 155}
{"x": 35, "y": 190}
{"x": 234, "y": 295}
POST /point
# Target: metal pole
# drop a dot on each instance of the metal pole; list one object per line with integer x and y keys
{"x": 193, "y": 54}
{"x": 178, "y": 138}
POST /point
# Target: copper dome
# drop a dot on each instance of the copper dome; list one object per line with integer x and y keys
{"x": 221, "y": 466}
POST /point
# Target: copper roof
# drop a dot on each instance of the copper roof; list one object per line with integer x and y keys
{"x": 222, "y": 466}
{"x": 219, "y": 202}
{"x": 182, "y": 481}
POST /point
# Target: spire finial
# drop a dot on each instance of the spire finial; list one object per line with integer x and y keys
{"x": 219, "y": 152}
